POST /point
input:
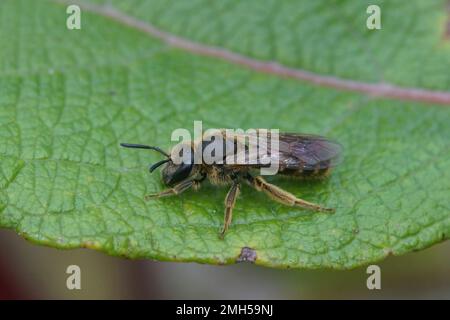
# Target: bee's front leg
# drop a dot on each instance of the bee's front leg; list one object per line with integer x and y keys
{"x": 230, "y": 201}
{"x": 177, "y": 189}
{"x": 283, "y": 196}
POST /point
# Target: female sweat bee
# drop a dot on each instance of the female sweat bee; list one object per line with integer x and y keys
{"x": 297, "y": 155}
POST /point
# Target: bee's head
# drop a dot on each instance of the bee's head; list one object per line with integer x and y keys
{"x": 175, "y": 170}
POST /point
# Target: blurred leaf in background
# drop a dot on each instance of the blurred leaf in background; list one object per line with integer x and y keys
{"x": 39, "y": 272}
{"x": 68, "y": 97}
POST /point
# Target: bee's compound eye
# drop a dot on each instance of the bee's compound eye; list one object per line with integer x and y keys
{"x": 182, "y": 172}
{"x": 176, "y": 173}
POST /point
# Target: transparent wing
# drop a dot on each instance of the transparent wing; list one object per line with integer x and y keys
{"x": 295, "y": 151}
{"x": 309, "y": 152}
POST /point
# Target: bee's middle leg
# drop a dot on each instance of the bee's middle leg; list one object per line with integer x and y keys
{"x": 230, "y": 201}
{"x": 283, "y": 196}
{"x": 177, "y": 189}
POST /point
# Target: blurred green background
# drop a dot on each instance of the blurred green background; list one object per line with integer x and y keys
{"x": 30, "y": 271}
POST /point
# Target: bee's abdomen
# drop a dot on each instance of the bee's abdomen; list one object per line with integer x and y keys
{"x": 307, "y": 173}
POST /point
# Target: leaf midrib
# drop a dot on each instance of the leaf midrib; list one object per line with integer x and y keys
{"x": 381, "y": 89}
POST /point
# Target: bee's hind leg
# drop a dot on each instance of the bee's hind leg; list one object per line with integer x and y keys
{"x": 177, "y": 189}
{"x": 230, "y": 201}
{"x": 283, "y": 196}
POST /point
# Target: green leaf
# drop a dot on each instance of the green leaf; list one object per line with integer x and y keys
{"x": 68, "y": 97}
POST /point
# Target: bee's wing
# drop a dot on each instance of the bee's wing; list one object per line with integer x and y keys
{"x": 296, "y": 151}
{"x": 308, "y": 152}
{"x": 252, "y": 148}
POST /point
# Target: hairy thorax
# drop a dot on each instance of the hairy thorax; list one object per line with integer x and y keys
{"x": 221, "y": 175}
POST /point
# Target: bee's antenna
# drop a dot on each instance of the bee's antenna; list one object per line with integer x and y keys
{"x": 141, "y": 146}
{"x": 156, "y": 165}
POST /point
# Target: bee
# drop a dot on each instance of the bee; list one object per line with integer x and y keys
{"x": 299, "y": 155}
